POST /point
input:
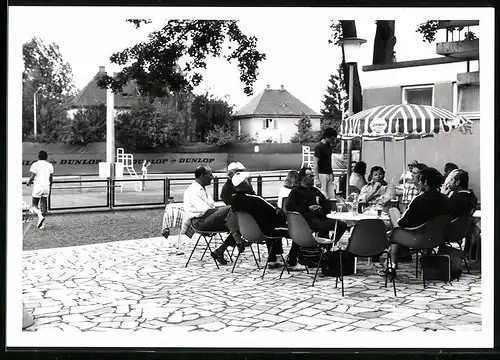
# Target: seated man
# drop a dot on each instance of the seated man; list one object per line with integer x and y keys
{"x": 450, "y": 169}
{"x": 313, "y": 205}
{"x": 228, "y": 189}
{"x": 426, "y": 206}
{"x": 263, "y": 212}
{"x": 411, "y": 189}
{"x": 463, "y": 201}
{"x": 200, "y": 209}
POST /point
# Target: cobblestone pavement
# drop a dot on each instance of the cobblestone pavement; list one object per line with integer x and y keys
{"x": 142, "y": 285}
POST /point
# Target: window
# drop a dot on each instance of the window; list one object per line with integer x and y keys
{"x": 419, "y": 95}
{"x": 270, "y": 124}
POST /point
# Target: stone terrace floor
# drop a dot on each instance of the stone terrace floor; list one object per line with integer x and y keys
{"x": 142, "y": 285}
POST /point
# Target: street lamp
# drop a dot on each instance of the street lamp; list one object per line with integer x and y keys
{"x": 34, "y": 109}
{"x": 351, "y": 47}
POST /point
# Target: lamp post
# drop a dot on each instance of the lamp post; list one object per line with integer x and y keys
{"x": 34, "y": 109}
{"x": 110, "y": 132}
{"x": 351, "y": 47}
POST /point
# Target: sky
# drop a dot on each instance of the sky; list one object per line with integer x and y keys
{"x": 296, "y": 45}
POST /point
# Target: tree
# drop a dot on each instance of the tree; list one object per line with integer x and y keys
{"x": 304, "y": 130}
{"x": 87, "y": 125}
{"x": 429, "y": 29}
{"x": 223, "y": 135}
{"x": 209, "y": 111}
{"x": 333, "y": 102}
{"x": 45, "y": 71}
{"x": 153, "y": 64}
{"x": 152, "y": 123}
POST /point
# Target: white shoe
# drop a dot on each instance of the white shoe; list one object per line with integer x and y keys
{"x": 41, "y": 220}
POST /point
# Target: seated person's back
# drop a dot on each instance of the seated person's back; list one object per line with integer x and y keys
{"x": 428, "y": 205}
{"x": 463, "y": 200}
{"x": 262, "y": 211}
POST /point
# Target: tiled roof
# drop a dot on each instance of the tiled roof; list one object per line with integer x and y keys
{"x": 275, "y": 102}
{"x": 95, "y": 95}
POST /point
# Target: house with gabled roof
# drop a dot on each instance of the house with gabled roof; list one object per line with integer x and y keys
{"x": 92, "y": 95}
{"x": 272, "y": 116}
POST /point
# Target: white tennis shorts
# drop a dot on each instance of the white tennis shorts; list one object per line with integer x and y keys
{"x": 41, "y": 192}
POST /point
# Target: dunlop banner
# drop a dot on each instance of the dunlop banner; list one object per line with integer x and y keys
{"x": 88, "y": 164}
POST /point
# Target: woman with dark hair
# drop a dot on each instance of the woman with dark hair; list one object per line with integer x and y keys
{"x": 357, "y": 179}
{"x": 377, "y": 191}
{"x": 292, "y": 181}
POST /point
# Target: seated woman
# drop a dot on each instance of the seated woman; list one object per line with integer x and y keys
{"x": 357, "y": 179}
{"x": 291, "y": 182}
{"x": 377, "y": 191}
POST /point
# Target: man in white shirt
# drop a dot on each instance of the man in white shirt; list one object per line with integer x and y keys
{"x": 41, "y": 178}
{"x": 200, "y": 209}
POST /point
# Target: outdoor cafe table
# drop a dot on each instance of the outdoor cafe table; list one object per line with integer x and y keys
{"x": 349, "y": 216}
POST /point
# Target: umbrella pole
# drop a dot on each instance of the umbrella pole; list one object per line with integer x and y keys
{"x": 385, "y": 165}
{"x": 404, "y": 163}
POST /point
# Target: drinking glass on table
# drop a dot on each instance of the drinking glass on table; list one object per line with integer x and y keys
{"x": 379, "y": 209}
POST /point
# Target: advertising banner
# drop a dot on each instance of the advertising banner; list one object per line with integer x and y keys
{"x": 88, "y": 163}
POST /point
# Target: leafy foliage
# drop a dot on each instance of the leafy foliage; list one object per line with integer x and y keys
{"x": 428, "y": 30}
{"x": 225, "y": 135}
{"x": 88, "y": 125}
{"x": 208, "y": 112}
{"x": 336, "y": 33}
{"x": 153, "y": 64}
{"x": 46, "y": 74}
{"x": 304, "y": 131}
{"x": 151, "y": 124}
{"x": 333, "y": 99}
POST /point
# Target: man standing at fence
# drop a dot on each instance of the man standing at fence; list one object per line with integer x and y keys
{"x": 41, "y": 178}
{"x": 323, "y": 172}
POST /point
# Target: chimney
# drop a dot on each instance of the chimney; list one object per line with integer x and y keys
{"x": 268, "y": 87}
{"x": 102, "y": 69}
{"x": 282, "y": 87}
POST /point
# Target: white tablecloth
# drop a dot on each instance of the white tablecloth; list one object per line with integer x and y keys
{"x": 349, "y": 216}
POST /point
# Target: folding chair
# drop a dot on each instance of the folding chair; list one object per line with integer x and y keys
{"x": 207, "y": 236}
{"x": 368, "y": 238}
{"x": 456, "y": 231}
{"x": 426, "y": 237}
{"x": 252, "y": 234}
{"x": 302, "y": 235}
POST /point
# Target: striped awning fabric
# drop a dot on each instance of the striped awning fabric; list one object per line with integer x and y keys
{"x": 398, "y": 122}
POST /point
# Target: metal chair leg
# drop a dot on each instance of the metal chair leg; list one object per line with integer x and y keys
{"x": 284, "y": 264}
{"x": 267, "y": 260}
{"x": 192, "y": 251}
{"x": 416, "y": 264}
{"x": 392, "y": 275}
{"x": 465, "y": 259}
{"x": 235, "y": 261}
{"x": 341, "y": 274}
{"x": 258, "y": 251}
{"x": 206, "y": 248}
{"x": 254, "y": 257}
{"x": 317, "y": 268}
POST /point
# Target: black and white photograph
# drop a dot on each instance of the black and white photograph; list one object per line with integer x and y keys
{"x": 253, "y": 177}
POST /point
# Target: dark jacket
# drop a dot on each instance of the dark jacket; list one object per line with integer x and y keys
{"x": 263, "y": 212}
{"x": 227, "y": 192}
{"x": 462, "y": 202}
{"x": 301, "y": 198}
{"x": 425, "y": 207}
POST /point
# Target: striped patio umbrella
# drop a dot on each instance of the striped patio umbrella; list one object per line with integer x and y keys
{"x": 400, "y": 122}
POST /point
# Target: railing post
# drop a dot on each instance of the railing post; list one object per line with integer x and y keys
{"x": 108, "y": 192}
{"x": 259, "y": 185}
{"x": 112, "y": 193}
{"x": 167, "y": 188}
{"x": 165, "y": 197}
{"x": 216, "y": 188}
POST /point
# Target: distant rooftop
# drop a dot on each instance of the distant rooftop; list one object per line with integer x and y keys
{"x": 272, "y": 102}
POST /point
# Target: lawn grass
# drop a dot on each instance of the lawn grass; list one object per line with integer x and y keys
{"x": 72, "y": 229}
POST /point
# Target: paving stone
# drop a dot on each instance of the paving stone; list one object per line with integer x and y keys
{"x": 46, "y": 320}
{"x": 212, "y": 326}
{"x": 47, "y": 310}
{"x": 403, "y": 323}
{"x": 74, "y": 318}
{"x": 387, "y": 328}
{"x": 84, "y": 325}
{"x": 304, "y": 320}
{"x": 288, "y": 326}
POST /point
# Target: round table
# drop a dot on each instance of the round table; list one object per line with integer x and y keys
{"x": 353, "y": 217}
